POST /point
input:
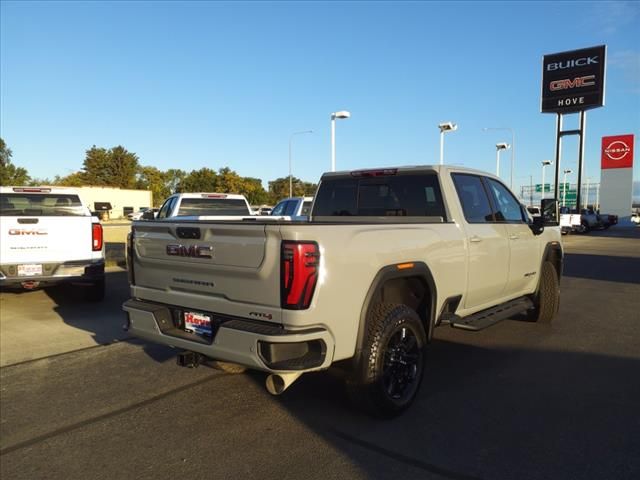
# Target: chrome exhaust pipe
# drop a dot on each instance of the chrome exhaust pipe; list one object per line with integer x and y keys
{"x": 278, "y": 382}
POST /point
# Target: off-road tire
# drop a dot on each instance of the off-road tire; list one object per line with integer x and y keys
{"x": 585, "y": 227}
{"x": 547, "y": 298}
{"x": 95, "y": 292}
{"x": 377, "y": 370}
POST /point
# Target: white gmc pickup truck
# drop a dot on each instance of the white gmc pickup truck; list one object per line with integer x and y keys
{"x": 386, "y": 256}
{"x": 48, "y": 237}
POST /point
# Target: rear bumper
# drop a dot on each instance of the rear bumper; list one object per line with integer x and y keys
{"x": 80, "y": 272}
{"x": 257, "y": 345}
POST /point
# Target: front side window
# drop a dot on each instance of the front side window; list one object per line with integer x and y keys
{"x": 164, "y": 210}
{"x": 507, "y": 207}
{"x": 473, "y": 198}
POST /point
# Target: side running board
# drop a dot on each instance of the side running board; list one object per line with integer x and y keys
{"x": 490, "y": 316}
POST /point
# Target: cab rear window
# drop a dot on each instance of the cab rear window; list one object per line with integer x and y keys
{"x": 212, "y": 206}
{"x": 383, "y": 196}
{"x": 37, "y": 205}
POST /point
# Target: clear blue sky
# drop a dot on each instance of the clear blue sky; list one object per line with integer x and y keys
{"x": 194, "y": 84}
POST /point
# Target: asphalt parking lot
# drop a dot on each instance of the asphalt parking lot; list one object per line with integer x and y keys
{"x": 517, "y": 401}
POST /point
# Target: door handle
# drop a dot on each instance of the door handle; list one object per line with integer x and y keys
{"x": 475, "y": 239}
{"x": 513, "y": 237}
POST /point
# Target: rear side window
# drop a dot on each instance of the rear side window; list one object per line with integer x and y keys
{"x": 290, "y": 208}
{"x": 473, "y": 198}
{"x": 212, "y": 206}
{"x": 396, "y": 196}
{"x": 36, "y": 205}
{"x": 166, "y": 207}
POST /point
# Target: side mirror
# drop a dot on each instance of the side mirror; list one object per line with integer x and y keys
{"x": 537, "y": 227}
{"x": 148, "y": 215}
{"x": 549, "y": 212}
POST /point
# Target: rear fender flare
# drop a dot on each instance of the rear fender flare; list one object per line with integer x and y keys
{"x": 391, "y": 272}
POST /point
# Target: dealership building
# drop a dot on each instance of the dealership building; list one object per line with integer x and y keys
{"x": 117, "y": 202}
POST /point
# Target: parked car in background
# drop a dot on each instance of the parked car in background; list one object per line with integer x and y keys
{"x": 590, "y": 220}
{"x": 138, "y": 215}
{"x": 48, "y": 237}
{"x": 534, "y": 211}
{"x": 202, "y": 204}
{"x": 635, "y": 218}
{"x": 297, "y": 208}
{"x": 261, "y": 209}
{"x": 608, "y": 220}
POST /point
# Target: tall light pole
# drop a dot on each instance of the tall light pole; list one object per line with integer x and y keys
{"x": 445, "y": 127}
{"x": 290, "y": 141}
{"x": 513, "y": 148}
{"x": 564, "y": 187}
{"x": 342, "y": 114}
{"x": 545, "y": 163}
{"x": 499, "y": 148}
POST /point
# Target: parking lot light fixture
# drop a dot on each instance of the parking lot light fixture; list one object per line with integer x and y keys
{"x": 444, "y": 128}
{"x": 290, "y": 141}
{"x": 499, "y": 147}
{"x": 513, "y": 149}
{"x": 545, "y": 163}
{"x": 341, "y": 115}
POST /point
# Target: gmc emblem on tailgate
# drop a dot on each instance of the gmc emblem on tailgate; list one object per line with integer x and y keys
{"x": 24, "y": 231}
{"x": 193, "y": 251}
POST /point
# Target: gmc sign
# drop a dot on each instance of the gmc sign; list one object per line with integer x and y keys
{"x": 193, "y": 251}
{"x": 573, "y": 81}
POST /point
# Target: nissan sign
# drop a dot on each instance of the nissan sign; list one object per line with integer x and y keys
{"x": 573, "y": 81}
{"x": 617, "y": 152}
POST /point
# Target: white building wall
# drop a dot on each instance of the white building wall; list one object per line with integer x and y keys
{"x": 117, "y": 197}
{"x": 616, "y": 192}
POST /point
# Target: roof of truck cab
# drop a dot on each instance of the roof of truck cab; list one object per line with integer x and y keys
{"x": 411, "y": 169}
{"x": 231, "y": 196}
{"x": 39, "y": 189}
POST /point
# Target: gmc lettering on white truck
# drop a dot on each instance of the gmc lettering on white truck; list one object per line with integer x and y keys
{"x": 385, "y": 257}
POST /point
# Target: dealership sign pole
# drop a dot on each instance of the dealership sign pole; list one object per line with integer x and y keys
{"x": 572, "y": 82}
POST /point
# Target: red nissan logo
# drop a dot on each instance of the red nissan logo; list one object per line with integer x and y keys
{"x": 617, "y": 150}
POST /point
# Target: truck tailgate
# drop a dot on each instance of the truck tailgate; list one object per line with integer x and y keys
{"x": 215, "y": 264}
{"x": 45, "y": 239}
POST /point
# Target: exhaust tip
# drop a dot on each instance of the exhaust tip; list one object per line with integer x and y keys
{"x": 278, "y": 383}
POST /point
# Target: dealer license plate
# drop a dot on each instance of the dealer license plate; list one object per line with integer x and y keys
{"x": 199, "y": 323}
{"x": 29, "y": 270}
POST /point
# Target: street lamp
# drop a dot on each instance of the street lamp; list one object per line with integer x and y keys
{"x": 499, "y": 147}
{"x": 342, "y": 114}
{"x": 564, "y": 186}
{"x": 545, "y": 163}
{"x": 290, "y": 177}
{"x": 445, "y": 127}
{"x": 513, "y": 148}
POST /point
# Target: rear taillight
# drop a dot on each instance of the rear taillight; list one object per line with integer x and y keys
{"x": 298, "y": 274}
{"x": 96, "y": 237}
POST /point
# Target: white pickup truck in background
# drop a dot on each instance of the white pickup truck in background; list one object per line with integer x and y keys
{"x": 47, "y": 237}
{"x": 201, "y": 205}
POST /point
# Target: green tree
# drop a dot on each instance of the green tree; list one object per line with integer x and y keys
{"x": 150, "y": 178}
{"x": 9, "y": 173}
{"x": 203, "y": 180}
{"x": 279, "y": 189}
{"x": 115, "y": 167}
{"x": 254, "y": 191}
{"x": 75, "y": 179}
{"x": 173, "y": 178}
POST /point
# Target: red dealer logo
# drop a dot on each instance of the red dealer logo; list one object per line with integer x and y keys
{"x": 617, "y": 152}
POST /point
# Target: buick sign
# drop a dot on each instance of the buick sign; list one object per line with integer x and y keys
{"x": 573, "y": 81}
